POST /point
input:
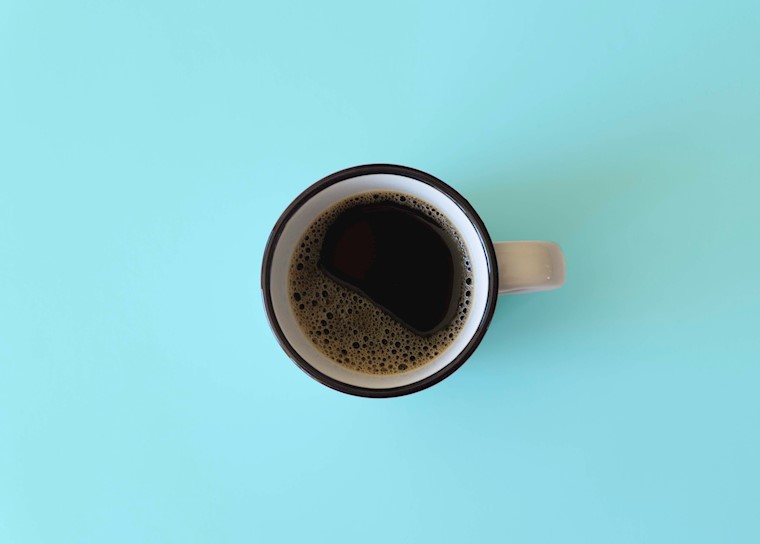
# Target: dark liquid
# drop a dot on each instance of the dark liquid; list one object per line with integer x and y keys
{"x": 374, "y": 275}
{"x": 398, "y": 258}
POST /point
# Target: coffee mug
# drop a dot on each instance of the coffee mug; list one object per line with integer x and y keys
{"x": 494, "y": 268}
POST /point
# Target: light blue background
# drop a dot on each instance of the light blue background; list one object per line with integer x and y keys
{"x": 146, "y": 150}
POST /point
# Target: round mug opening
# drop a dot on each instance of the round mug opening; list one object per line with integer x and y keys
{"x": 323, "y": 195}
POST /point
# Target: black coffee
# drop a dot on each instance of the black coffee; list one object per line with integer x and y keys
{"x": 381, "y": 282}
{"x": 400, "y": 259}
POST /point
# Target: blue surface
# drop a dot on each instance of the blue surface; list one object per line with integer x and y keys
{"x": 146, "y": 150}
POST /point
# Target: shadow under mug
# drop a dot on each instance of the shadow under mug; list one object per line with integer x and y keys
{"x": 497, "y": 268}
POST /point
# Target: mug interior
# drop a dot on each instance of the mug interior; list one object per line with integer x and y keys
{"x": 308, "y": 209}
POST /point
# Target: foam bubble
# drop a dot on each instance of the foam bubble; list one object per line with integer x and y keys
{"x": 347, "y": 327}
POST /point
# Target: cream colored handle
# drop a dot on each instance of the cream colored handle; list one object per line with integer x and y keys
{"x": 528, "y": 267}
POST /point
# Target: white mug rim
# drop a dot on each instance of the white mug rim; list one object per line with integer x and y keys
{"x": 475, "y": 222}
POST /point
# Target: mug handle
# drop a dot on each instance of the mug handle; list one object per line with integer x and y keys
{"x": 529, "y": 267}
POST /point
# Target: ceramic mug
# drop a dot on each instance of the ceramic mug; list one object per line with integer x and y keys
{"x": 497, "y": 268}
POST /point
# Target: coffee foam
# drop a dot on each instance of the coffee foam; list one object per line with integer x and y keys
{"x": 345, "y": 325}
